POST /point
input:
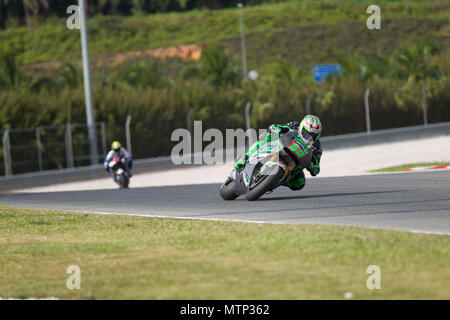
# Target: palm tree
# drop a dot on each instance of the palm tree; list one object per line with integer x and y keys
{"x": 3, "y": 13}
{"x": 70, "y": 76}
{"x": 349, "y": 67}
{"x": 215, "y": 66}
{"x": 412, "y": 62}
{"x": 33, "y": 6}
{"x": 366, "y": 68}
{"x": 10, "y": 74}
{"x": 141, "y": 74}
{"x": 286, "y": 73}
{"x": 67, "y": 76}
{"x": 373, "y": 67}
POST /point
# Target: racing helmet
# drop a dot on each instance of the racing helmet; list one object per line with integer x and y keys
{"x": 116, "y": 146}
{"x": 310, "y": 128}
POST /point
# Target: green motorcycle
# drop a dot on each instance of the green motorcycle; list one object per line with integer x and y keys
{"x": 268, "y": 164}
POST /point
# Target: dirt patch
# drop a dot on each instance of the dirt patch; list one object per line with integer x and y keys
{"x": 193, "y": 52}
{"x": 48, "y": 65}
{"x": 445, "y": 29}
{"x": 184, "y": 52}
{"x": 442, "y": 10}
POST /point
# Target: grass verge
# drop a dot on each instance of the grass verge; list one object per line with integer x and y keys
{"x": 150, "y": 258}
{"x": 403, "y": 167}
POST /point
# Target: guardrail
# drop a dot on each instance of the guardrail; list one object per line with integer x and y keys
{"x": 164, "y": 163}
{"x": 386, "y": 136}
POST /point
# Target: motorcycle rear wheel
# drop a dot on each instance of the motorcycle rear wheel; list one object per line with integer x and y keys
{"x": 268, "y": 184}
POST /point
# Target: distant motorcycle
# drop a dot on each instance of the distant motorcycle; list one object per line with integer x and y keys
{"x": 269, "y": 165}
{"x": 120, "y": 174}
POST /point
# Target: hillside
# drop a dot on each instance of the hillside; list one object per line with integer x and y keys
{"x": 305, "y": 32}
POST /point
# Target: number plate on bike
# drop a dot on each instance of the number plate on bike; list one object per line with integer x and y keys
{"x": 296, "y": 149}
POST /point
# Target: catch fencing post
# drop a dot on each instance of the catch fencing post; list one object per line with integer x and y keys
{"x": 7, "y": 153}
{"x": 408, "y": 8}
{"x": 248, "y": 108}
{"x": 189, "y": 126}
{"x": 188, "y": 120}
{"x": 26, "y": 7}
{"x": 69, "y": 148}
{"x": 424, "y": 104}
{"x": 128, "y": 134}
{"x": 90, "y": 115}
{"x": 308, "y": 105}
{"x": 39, "y": 148}
{"x": 366, "y": 104}
{"x": 102, "y": 129}
{"x": 243, "y": 47}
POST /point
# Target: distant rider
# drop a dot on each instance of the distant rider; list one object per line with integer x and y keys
{"x": 118, "y": 151}
{"x": 310, "y": 125}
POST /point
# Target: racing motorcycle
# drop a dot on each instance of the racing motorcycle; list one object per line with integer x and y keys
{"x": 120, "y": 174}
{"x": 269, "y": 165}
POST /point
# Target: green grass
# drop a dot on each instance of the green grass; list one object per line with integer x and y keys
{"x": 151, "y": 258}
{"x": 411, "y": 165}
{"x": 292, "y": 29}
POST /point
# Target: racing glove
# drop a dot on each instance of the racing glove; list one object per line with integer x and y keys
{"x": 313, "y": 169}
{"x": 278, "y": 129}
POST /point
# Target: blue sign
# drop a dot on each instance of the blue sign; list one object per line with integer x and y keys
{"x": 321, "y": 72}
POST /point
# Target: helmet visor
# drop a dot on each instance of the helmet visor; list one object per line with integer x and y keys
{"x": 307, "y": 137}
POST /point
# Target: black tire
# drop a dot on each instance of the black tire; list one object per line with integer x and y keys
{"x": 123, "y": 181}
{"x": 268, "y": 184}
{"x": 227, "y": 191}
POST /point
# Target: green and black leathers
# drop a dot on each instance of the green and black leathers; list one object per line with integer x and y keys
{"x": 297, "y": 180}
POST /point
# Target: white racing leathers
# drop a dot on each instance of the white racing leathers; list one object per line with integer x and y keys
{"x": 123, "y": 154}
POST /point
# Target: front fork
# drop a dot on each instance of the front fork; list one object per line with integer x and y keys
{"x": 287, "y": 172}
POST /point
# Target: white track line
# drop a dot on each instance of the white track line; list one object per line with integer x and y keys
{"x": 253, "y": 221}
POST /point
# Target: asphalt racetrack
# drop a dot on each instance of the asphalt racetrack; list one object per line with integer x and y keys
{"x": 416, "y": 201}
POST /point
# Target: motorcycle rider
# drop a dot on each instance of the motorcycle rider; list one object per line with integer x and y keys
{"x": 118, "y": 151}
{"x": 310, "y": 126}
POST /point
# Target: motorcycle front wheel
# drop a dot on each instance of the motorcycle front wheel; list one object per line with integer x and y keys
{"x": 123, "y": 181}
{"x": 268, "y": 183}
{"x": 227, "y": 191}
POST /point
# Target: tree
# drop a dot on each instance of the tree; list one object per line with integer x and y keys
{"x": 412, "y": 61}
{"x": 216, "y": 68}
{"x": 10, "y": 73}
{"x": 67, "y": 76}
{"x": 70, "y": 76}
{"x": 286, "y": 73}
{"x": 141, "y": 74}
{"x": 364, "y": 69}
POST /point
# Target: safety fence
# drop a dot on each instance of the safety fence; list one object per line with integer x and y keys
{"x": 48, "y": 147}
{"x": 67, "y": 146}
